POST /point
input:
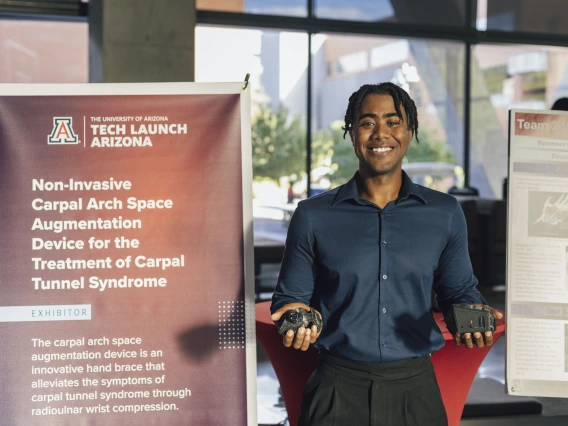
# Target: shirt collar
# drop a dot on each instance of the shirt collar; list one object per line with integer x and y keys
{"x": 409, "y": 188}
{"x": 349, "y": 191}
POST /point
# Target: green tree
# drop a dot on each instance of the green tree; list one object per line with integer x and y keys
{"x": 429, "y": 149}
{"x": 278, "y": 144}
{"x": 342, "y": 161}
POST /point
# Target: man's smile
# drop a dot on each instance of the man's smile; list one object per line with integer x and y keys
{"x": 381, "y": 150}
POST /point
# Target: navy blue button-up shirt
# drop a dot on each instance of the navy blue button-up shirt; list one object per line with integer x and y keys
{"x": 370, "y": 271}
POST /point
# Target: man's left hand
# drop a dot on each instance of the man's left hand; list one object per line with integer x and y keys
{"x": 479, "y": 339}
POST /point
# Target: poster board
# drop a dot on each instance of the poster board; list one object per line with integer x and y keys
{"x": 126, "y": 255}
{"x": 537, "y": 254}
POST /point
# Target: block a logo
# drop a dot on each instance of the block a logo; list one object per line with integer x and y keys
{"x": 62, "y": 133}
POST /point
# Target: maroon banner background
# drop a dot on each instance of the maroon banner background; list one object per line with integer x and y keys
{"x": 201, "y": 173}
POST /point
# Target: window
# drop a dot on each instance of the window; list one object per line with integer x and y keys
{"x": 426, "y": 69}
{"x": 43, "y": 52}
{"x": 505, "y": 77}
{"x": 277, "y": 62}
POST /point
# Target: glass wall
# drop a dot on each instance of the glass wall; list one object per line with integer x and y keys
{"x": 502, "y": 77}
{"x": 43, "y": 52}
{"x": 505, "y": 77}
{"x": 430, "y": 71}
{"x": 277, "y": 63}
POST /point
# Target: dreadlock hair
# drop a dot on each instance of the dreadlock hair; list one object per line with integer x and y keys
{"x": 399, "y": 96}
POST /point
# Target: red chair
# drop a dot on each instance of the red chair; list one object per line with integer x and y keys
{"x": 455, "y": 366}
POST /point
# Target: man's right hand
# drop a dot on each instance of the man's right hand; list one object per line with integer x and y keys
{"x": 304, "y": 336}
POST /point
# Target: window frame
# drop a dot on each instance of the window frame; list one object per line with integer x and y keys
{"x": 469, "y": 35}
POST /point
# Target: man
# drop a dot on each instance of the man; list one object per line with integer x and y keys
{"x": 366, "y": 255}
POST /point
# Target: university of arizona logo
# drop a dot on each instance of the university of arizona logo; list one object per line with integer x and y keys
{"x": 62, "y": 132}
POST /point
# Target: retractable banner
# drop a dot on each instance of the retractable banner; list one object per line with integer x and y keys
{"x": 126, "y": 270}
{"x": 537, "y": 254}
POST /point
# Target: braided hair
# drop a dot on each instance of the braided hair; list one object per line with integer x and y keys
{"x": 399, "y": 96}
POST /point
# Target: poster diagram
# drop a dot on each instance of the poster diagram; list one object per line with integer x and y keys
{"x": 125, "y": 272}
{"x": 548, "y": 214}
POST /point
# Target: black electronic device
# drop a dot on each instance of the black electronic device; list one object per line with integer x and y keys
{"x": 464, "y": 318}
{"x": 296, "y": 318}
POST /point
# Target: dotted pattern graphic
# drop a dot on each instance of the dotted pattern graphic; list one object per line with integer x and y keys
{"x": 232, "y": 324}
{"x": 250, "y": 314}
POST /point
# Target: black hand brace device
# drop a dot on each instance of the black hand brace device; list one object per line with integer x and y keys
{"x": 464, "y": 318}
{"x": 296, "y": 318}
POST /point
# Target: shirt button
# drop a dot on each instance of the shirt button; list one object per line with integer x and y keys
{"x": 384, "y": 277}
{"x": 384, "y": 343}
{"x": 384, "y": 243}
{"x": 384, "y": 310}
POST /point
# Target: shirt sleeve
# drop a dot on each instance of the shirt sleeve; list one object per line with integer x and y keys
{"x": 454, "y": 281}
{"x": 297, "y": 273}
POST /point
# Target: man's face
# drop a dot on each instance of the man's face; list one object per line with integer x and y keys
{"x": 380, "y": 138}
